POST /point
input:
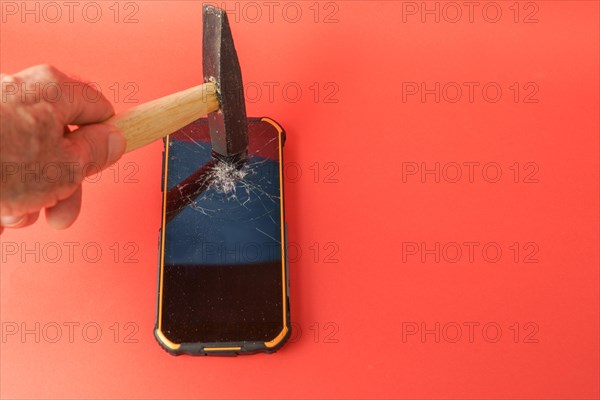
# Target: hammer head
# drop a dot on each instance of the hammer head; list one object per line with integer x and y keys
{"x": 228, "y": 126}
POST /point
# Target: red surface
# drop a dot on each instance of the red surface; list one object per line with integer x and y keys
{"x": 354, "y": 318}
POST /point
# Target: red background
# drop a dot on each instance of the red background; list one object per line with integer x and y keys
{"x": 350, "y": 317}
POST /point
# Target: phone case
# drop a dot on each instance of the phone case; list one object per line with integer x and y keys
{"x": 238, "y": 347}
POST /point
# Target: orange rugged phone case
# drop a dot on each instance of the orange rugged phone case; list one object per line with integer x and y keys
{"x": 223, "y": 280}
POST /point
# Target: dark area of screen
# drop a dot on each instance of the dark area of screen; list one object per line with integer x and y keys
{"x": 222, "y": 254}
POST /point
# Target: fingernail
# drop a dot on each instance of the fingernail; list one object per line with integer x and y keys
{"x": 116, "y": 146}
{"x": 9, "y": 221}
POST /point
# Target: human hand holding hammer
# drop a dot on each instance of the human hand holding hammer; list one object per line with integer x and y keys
{"x": 43, "y": 162}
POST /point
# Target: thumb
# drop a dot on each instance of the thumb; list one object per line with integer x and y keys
{"x": 99, "y": 144}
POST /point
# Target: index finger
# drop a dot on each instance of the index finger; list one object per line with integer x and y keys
{"x": 78, "y": 103}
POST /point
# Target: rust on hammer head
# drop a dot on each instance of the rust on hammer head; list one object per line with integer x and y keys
{"x": 228, "y": 126}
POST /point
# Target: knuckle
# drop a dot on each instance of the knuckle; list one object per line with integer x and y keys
{"x": 47, "y": 70}
{"x": 7, "y": 78}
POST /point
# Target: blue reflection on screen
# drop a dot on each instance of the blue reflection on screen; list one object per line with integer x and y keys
{"x": 236, "y": 220}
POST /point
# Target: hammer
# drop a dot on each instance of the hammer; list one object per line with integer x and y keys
{"x": 221, "y": 97}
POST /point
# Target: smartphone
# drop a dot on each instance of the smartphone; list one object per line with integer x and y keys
{"x": 223, "y": 286}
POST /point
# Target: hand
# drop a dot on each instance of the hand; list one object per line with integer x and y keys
{"x": 43, "y": 163}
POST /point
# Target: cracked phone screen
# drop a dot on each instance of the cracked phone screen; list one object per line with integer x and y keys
{"x": 222, "y": 270}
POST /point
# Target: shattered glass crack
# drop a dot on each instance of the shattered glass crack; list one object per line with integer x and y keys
{"x": 228, "y": 182}
{"x": 224, "y": 203}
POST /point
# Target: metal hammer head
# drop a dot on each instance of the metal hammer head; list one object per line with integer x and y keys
{"x": 228, "y": 126}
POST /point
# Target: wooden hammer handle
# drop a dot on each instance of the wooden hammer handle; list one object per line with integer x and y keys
{"x": 158, "y": 118}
